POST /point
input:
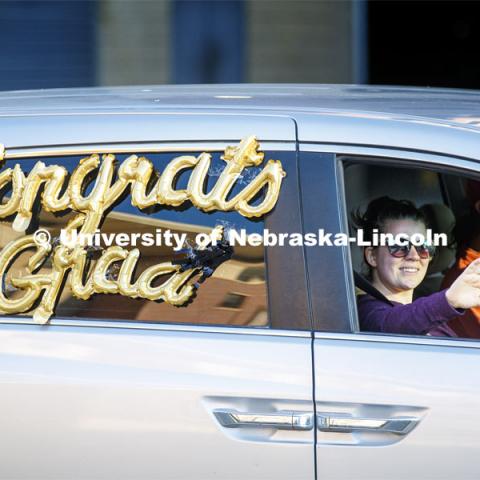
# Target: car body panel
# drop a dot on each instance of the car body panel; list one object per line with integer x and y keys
{"x": 93, "y": 402}
{"x": 433, "y": 120}
{"x": 413, "y": 134}
{"x": 112, "y": 401}
{"x": 443, "y": 105}
{"x": 434, "y": 383}
{"x": 132, "y": 400}
{"x": 54, "y": 130}
{"x": 439, "y": 385}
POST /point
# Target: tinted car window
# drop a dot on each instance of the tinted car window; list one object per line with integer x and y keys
{"x": 234, "y": 294}
{"x": 365, "y": 182}
{"x": 446, "y": 202}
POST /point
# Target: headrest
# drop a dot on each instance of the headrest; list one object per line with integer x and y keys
{"x": 472, "y": 191}
{"x": 441, "y": 220}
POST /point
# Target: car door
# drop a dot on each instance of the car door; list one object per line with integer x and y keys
{"x": 387, "y": 406}
{"x": 122, "y": 388}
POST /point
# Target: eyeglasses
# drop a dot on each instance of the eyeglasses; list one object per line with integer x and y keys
{"x": 401, "y": 251}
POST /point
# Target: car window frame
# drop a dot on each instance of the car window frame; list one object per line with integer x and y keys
{"x": 441, "y": 164}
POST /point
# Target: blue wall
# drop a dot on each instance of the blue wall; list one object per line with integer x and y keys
{"x": 46, "y": 44}
{"x": 208, "y": 41}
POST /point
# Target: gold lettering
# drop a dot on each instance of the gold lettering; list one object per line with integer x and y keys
{"x": 165, "y": 193}
{"x": 31, "y": 284}
{"x": 53, "y": 176}
{"x": 147, "y": 188}
{"x": 138, "y": 174}
{"x": 92, "y": 205}
{"x": 17, "y": 178}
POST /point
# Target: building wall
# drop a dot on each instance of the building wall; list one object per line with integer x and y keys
{"x": 286, "y": 41}
{"x": 133, "y": 42}
{"x": 300, "y": 41}
{"x": 47, "y": 44}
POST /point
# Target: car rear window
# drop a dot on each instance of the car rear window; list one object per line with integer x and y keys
{"x": 232, "y": 291}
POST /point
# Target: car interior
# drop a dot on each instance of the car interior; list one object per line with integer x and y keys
{"x": 440, "y": 195}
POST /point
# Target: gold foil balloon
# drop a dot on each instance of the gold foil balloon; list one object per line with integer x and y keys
{"x": 138, "y": 174}
{"x": 272, "y": 176}
{"x": 166, "y": 194}
{"x": 80, "y": 289}
{"x": 197, "y": 181}
{"x": 125, "y": 275}
{"x": 100, "y": 281}
{"x": 70, "y": 262}
{"x": 94, "y": 203}
{"x": 237, "y": 158}
{"x": 30, "y": 191}
{"x": 30, "y": 284}
{"x": 144, "y": 173}
{"x": 53, "y": 177}
{"x": 17, "y": 178}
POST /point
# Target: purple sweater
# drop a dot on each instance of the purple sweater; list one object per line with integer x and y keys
{"x": 424, "y": 316}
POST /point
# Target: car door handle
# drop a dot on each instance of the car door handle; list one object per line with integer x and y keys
{"x": 342, "y": 424}
{"x": 284, "y": 420}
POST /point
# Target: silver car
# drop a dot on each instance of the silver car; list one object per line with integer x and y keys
{"x": 178, "y": 359}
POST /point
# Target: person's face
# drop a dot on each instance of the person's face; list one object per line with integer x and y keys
{"x": 398, "y": 274}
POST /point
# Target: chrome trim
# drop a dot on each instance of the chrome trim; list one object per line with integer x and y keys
{"x": 399, "y": 339}
{"x": 302, "y": 421}
{"x": 208, "y": 111}
{"x": 346, "y": 252}
{"x": 168, "y": 327}
{"x": 68, "y": 150}
{"x": 279, "y": 420}
{"x": 382, "y": 152}
{"x": 341, "y": 424}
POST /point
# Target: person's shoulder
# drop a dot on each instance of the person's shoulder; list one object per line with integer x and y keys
{"x": 365, "y": 300}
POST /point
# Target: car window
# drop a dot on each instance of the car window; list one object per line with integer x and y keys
{"x": 445, "y": 202}
{"x": 229, "y": 287}
{"x": 364, "y": 182}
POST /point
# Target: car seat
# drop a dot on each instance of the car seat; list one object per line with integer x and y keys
{"x": 441, "y": 220}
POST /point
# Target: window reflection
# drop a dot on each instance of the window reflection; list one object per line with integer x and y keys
{"x": 235, "y": 294}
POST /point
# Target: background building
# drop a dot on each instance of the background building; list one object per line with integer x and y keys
{"x": 71, "y": 43}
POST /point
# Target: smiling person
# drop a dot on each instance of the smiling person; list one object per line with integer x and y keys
{"x": 397, "y": 269}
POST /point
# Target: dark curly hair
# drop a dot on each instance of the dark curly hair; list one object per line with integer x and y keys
{"x": 381, "y": 210}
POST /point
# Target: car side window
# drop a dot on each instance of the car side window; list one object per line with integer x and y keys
{"x": 402, "y": 289}
{"x": 365, "y": 182}
{"x": 228, "y": 284}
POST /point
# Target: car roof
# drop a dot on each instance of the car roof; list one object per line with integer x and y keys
{"x": 445, "y": 105}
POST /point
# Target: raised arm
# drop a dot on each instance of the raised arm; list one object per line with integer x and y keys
{"x": 465, "y": 290}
